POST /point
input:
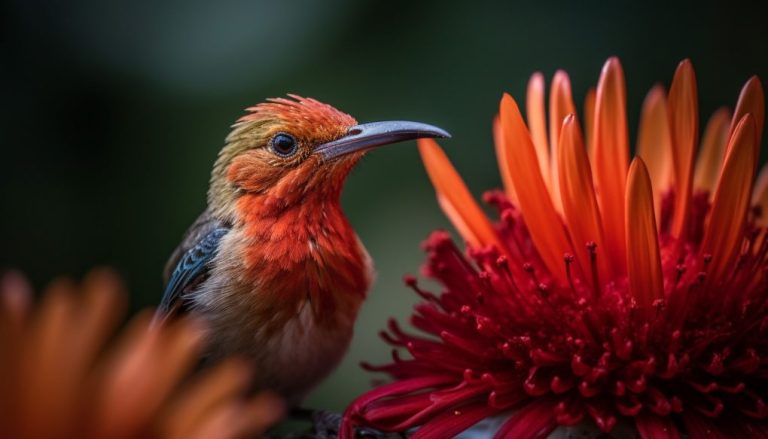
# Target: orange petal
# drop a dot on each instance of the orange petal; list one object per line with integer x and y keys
{"x": 579, "y": 201}
{"x": 654, "y": 144}
{"x": 216, "y": 387}
{"x": 49, "y": 371}
{"x": 611, "y": 156}
{"x": 713, "y": 144}
{"x": 760, "y": 196}
{"x": 15, "y": 299}
{"x": 454, "y": 197}
{"x": 539, "y": 213}
{"x": 239, "y": 419}
{"x": 684, "y": 128}
{"x": 589, "y": 122}
{"x": 139, "y": 376}
{"x": 100, "y": 313}
{"x": 501, "y": 159}
{"x": 751, "y": 100}
{"x": 560, "y": 106}
{"x": 534, "y": 109}
{"x": 725, "y": 231}
{"x": 643, "y": 262}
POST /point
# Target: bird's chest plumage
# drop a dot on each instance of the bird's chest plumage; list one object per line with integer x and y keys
{"x": 284, "y": 291}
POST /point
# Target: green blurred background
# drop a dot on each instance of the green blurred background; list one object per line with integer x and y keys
{"x": 112, "y": 113}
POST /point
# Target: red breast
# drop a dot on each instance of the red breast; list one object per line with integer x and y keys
{"x": 306, "y": 252}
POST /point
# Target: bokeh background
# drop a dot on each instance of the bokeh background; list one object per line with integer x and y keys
{"x": 111, "y": 113}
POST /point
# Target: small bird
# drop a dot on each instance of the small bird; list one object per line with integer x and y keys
{"x": 273, "y": 266}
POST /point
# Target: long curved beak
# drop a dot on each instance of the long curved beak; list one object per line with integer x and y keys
{"x": 370, "y": 135}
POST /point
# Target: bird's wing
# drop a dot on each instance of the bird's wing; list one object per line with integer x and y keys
{"x": 189, "y": 263}
{"x": 203, "y": 225}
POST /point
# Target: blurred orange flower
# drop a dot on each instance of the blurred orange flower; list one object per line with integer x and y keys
{"x": 63, "y": 374}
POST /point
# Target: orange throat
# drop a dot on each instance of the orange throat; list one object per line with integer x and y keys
{"x": 303, "y": 254}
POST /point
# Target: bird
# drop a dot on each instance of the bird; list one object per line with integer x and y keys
{"x": 272, "y": 266}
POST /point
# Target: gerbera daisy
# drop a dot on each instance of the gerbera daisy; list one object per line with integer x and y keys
{"x": 608, "y": 292}
{"x": 61, "y": 377}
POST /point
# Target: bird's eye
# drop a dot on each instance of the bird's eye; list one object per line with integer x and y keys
{"x": 284, "y": 145}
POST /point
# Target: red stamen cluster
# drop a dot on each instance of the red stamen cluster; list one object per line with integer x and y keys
{"x": 505, "y": 336}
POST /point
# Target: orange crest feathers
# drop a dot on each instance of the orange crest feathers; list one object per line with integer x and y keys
{"x": 302, "y": 116}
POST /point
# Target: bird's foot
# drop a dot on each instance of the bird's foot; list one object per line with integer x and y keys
{"x": 326, "y": 425}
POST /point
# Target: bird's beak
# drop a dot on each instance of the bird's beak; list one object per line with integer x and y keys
{"x": 370, "y": 135}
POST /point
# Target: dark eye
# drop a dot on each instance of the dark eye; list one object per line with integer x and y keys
{"x": 284, "y": 145}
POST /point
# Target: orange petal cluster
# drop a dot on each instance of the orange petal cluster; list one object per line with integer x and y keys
{"x": 575, "y": 192}
{"x": 62, "y": 374}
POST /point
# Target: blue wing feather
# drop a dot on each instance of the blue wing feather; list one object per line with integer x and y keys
{"x": 193, "y": 264}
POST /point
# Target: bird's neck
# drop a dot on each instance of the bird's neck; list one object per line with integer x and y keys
{"x": 301, "y": 250}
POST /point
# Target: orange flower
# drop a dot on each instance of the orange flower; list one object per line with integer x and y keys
{"x": 609, "y": 291}
{"x": 62, "y": 377}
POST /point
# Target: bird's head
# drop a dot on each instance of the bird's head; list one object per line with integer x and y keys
{"x": 287, "y": 148}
